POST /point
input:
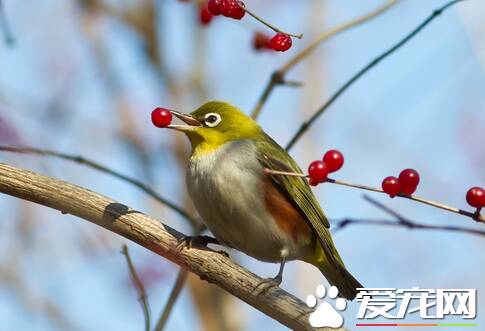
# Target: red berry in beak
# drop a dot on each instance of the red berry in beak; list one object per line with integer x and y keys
{"x": 409, "y": 180}
{"x": 476, "y": 197}
{"x": 161, "y": 117}
{"x": 391, "y": 186}
{"x": 334, "y": 160}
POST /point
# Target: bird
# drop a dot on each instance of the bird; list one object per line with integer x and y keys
{"x": 270, "y": 217}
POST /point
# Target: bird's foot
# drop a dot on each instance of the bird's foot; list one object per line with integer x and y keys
{"x": 190, "y": 241}
{"x": 268, "y": 283}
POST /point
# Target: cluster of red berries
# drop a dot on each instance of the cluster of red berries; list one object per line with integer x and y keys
{"x": 318, "y": 170}
{"x": 161, "y": 117}
{"x": 228, "y": 8}
{"x": 476, "y": 197}
{"x": 406, "y": 183}
{"x": 236, "y": 9}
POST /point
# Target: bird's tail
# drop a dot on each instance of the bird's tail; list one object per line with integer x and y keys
{"x": 336, "y": 275}
{"x": 340, "y": 277}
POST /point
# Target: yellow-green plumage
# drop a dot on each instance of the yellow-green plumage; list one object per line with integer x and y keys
{"x": 226, "y": 181}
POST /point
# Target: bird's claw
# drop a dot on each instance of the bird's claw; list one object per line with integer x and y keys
{"x": 268, "y": 283}
{"x": 190, "y": 241}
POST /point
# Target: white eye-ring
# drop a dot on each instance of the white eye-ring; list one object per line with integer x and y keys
{"x": 212, "y": 119}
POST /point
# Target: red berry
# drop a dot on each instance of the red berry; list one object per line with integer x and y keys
{"x": 476, "y": 197}
{"x": 161, "y": 117}
{"x": 312, "y": 182}
{"x": 391, "y": 186}
{"x": 281, "y": 42}
{"x": 318, "y": 171}
{"x": 204, "y": 14}
{"x": 334, "y": 160}
{"x": 409, "y": 180}
{"x": 261, "y": 41}
{"x": 232, "y": 8}
{"x": 214, "y": 7}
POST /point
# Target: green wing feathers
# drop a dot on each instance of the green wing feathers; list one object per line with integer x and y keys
{"x": 299, "y": 193}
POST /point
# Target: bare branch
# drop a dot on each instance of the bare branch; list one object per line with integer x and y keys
{"x": 172, "y": 299}
{"x": 176, "y": 290}
{"x": 142, "y": 294}
{"x": 157, "y": 237}
{"x": 278, "y": 77}
{"x": 95, "y": 165}
{"x": 475, "y": 216}
{"x": 401, "y": 221}
{"x": 306, "y": 125}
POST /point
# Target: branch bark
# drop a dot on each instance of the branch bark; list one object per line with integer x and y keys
{"x": 157, "y": 237}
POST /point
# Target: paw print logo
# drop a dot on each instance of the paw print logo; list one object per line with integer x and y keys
{"x": 325, "y": 314}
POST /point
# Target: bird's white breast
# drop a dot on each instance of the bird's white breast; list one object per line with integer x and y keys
{"x": 226, "y": 188}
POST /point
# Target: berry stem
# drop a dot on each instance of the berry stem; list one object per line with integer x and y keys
{"x": 272, "y": 27}
{"x": 473, "y": 215}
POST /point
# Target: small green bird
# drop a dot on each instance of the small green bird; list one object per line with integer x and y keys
{"x": 273, "y": 218}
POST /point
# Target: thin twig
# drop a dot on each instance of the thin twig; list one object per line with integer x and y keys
{"x": 278, "y": 76}
{"x": 473, "y": 215}
{"x": 272, "y": 27}
{"x": 5, "y": 27}
{"x": 95, "y": 165}
{"x": 174, "y": 294}
{"x": 410, "y": 225}
{"x": 142, "y": 294}
{"x": 176, "y": 289}
{"x": 306, "y": 125}
{"x": 403, "y": 221}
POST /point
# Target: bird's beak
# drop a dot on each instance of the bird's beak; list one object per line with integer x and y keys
{"x": 191, "y": 122}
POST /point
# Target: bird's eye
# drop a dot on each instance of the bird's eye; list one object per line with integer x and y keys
{"x": 212, "y": 119}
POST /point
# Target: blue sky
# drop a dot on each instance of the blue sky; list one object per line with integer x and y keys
{"x": 423, "y": 107}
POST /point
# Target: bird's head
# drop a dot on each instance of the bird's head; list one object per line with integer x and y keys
{"x": 214, "y": 124}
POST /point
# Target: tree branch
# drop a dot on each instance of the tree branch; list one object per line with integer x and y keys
{"x": 172, "y": 299}
{"x": 306, "y": 125}
{"x": 278, "y": 77}
{"x": 157, "y": 237}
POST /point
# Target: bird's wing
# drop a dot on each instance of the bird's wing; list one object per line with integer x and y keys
{"x": 297, "y": 191}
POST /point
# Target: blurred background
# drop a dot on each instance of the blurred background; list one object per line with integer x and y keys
{"x": 82, "y": 77}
